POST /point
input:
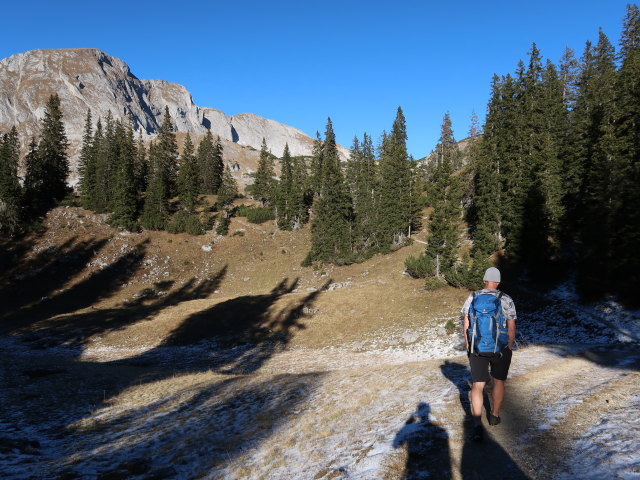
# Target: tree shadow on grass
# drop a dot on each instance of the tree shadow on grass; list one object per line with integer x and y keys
{"x": 206, "y": 434}
{"x": 28, "y": 284}
{"x": 98, "y": 286}
{"x": 248, "y": 330}
{"x": 487, "y": 460}
{"x": 198, "y": 425}
{"x": 73, "y": 330}
{"x": 191, "y": 428}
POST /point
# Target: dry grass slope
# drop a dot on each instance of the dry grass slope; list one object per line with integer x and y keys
{"x": 152, "y": 355}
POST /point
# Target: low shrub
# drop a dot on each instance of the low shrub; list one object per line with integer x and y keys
{"x": 222, "y": 227}
{"x": 255, "y": 214}
{"x": 420, "y": 267}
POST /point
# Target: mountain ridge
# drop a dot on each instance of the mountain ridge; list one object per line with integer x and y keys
{"x": 89, "y": 78}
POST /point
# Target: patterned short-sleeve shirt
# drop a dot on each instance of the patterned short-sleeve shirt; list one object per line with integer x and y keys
{"x": 508, "y": 307}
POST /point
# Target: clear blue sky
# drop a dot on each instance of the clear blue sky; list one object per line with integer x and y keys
{"x": 299, "y": 62}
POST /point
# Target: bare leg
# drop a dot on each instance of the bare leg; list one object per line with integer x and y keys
{"x": 477, "y": 389}
{"x": 497, "y": 395}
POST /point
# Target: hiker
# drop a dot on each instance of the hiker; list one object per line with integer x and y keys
{"x": 489, "y": 333}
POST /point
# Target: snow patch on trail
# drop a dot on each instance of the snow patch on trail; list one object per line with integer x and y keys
{"x": 336, "y": 412}
{"x": 610, "y": 448}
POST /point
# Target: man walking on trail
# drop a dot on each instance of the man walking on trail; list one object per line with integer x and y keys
{"x": 489, "y": 333}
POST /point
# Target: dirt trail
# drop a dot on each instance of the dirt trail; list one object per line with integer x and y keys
{"x": 339, "y": 415}
{"x": 546, "y": 410}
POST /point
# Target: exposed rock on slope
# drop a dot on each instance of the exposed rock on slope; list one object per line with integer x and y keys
{"x": 89, "y": 78}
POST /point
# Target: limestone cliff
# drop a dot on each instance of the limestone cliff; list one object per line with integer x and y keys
{"x": 90, "y": 79}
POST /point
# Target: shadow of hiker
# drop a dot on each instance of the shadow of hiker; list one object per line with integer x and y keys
{"x": 480, "y": 461}
{"x": 427, "y": 447}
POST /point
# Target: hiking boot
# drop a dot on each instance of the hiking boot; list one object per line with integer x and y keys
{"x": 493, "y": 420}
{"x": 478, "y": 434}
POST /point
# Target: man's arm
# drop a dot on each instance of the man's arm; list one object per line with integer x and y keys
{"x": 511, "y": 333}
{"x": 465, "y": 327}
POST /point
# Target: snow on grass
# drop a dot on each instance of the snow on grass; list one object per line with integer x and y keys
{"x": 609, "y": 449}
{"x": 335, "y": 412}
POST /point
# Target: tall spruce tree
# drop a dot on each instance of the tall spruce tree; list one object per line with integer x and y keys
{"x": 491, "y": 158}
{"x": 46, "y": 176}
{"x": 205, "y": 163}
{"x": 303, "y": 196}
{"x": 156, "y": 202}
{"x": 487, "y": 237}
{"x": 124, "y": 203}
{"x": 445, "y": 196}
{"x": 316, "y": 166}
{"x": 285, "y": 193}
{"x": 218, "y": 164}
{"x": 598, "y": 150}
{"x": 228, "y": 190}
{"x": 188, "y": 176}
{"x": 166, "y": 152}
{"x": 362, "y": 182}
{"x": 211, "y": 164}
{"x": 395, "y": 215}
{"x": 11, "y": 217}
{"x": 263, "y": 188}
{"x": 331, "y": 222}
{"x": 624, "y": 263}
{"x": 475, "y": 128}
{"x": 141, "y": 167}
{"x": 101, "y": 167}
{"x": 86, "y": 168}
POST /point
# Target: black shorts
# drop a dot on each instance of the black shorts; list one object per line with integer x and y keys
{"x": 499, "y": 366}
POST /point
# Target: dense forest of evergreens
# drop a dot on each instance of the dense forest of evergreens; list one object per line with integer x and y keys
{"x": 552, "y": 179}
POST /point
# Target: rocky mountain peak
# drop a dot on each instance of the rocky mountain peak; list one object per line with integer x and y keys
{"x": 88, "y": 78}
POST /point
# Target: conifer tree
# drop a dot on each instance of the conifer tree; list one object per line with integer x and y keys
{"x": 218, "y": 164}
{"x": 362, "y": 182}
{"x": 624, "y": 264}
{"x": 227, "y": 193}
{"x": 487, "y": 156}
{"x": 446, "y": 199}
{"x": 474, "y": 125}
{"x": 10, "y": 191}
{"x": 395, "y": 215}
{"x": 188, "y": 176}
{"x": 331, "y": 223}
{"x": 46, "y": 183}
{"x": 205, "y": 163}
{"x": 112, "y": 144}
{"x": 156, "y": 203}
{"x": 228, "y": 190}
{"x": 568, "y": 75}
{"x": 285, "y": 193}
{"x": 492, "y": 157}
{"x": 141, "y": 166}
{"x": 303, "y": 194}
{"x": 167, "y": 152}
{"x": 211, "y": 164}
{"x": 86, "y": 168}
{"x": 125, "y": 198}
{"x": 316, "y": 166}
{"x": 263, "y": 188}
{"x": 101, "y": 168}
{"x": 598, "y": 150}
{"x": 552, "y": 148}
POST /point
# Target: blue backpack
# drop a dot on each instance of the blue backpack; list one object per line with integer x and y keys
{"x": 487, "y": 326}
